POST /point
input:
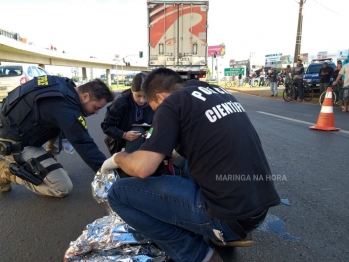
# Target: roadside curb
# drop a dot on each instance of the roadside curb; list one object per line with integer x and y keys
{"x": 266, "y": 94}
{"x": 259, "y": 92}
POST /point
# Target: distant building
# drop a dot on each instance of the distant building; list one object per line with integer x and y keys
{"x": 10, "y": 34}
{"x": 273, "y": 60}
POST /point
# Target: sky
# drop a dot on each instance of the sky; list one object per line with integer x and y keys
{"x": 105, "y": 28}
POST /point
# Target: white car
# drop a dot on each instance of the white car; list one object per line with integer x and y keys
{"x": 13, "y": 75}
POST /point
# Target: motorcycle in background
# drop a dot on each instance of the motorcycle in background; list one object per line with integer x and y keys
{"x": 280, "y": 79}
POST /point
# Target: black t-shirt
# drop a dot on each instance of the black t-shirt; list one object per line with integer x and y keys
{"x": 325, "y": 74}
{"x": 335, "y": 73}
{"x": 212, "y": 131}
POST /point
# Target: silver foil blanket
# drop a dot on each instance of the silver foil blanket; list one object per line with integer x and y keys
{"x": 110, "y": 238}
{"x": 101, "y": 185}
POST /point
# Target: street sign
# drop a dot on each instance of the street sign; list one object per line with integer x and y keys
{"x": 233, "y": 71}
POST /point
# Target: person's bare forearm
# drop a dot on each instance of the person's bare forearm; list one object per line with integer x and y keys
{"x": 140, "y": 163}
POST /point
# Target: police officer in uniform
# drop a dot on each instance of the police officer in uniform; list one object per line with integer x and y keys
{"x": 229, "y": 188}
{"x": 41, "y": 110}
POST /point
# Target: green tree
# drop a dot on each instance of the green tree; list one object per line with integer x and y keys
{"x": 59, "y": 74}
{"x": 75, "y": 78}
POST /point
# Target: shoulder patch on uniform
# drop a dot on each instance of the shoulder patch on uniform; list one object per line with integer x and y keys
{"x": 82, "y": 121}
{"x": 42, "y": 81}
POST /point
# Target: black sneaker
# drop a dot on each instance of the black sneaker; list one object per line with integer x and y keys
{"x": 271, "y": 95}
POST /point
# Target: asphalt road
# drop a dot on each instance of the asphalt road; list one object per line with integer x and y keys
{"x": 313, "y": 169}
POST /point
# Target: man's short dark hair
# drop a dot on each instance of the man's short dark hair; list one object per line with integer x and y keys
{"x": 300, "y": 60}
{"x": 161, "y": 80}
{"x": 97, "y": 90}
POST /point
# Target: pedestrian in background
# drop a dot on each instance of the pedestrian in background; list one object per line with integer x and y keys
{"x": 262, "y": 77}
{"x": 273, "y": 82}
{"x": 240, "y": 79}
{"x": 337, "y": 69}
{"x": 344, "y": 62}
{"x": 325, "y": 74}
{"x": 253, "y": 77}
{"x": 297, "y": 77}
{"x": 288, "y": 78}
{"x": 344, "y": 71}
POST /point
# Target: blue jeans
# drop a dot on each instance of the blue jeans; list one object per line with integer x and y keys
{"x": 274, "y": 88}
{"x": 300, "y": 93}
{"x": 169, "y": 210}
{"x": 261, "y": 81}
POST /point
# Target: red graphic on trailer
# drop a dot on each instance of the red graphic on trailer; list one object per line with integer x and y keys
{"x": 163, "y": 17}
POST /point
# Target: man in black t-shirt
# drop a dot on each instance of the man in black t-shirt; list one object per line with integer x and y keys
{"x": 325, "y": 74}
{"x": 229, "y": 188}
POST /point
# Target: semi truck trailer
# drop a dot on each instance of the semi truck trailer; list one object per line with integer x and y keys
{"x": 177, "y": 33}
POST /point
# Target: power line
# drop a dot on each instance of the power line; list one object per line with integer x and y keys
{"x": 326, "y": 7}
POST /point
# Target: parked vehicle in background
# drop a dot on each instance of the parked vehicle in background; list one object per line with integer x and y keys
{"x": 13, "y": 75}
{"x": 177, "y": 32}
{"x": 311, "y": 77}
{"x": 128, "y": 79}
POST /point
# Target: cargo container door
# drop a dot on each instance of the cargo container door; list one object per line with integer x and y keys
{"x": 192, "y": 35}
{"x": 163, "y": 28}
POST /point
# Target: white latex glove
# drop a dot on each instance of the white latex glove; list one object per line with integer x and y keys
{"x": 109, "y": 164}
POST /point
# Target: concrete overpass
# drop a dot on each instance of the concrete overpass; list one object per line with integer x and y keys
{"x": 15, "y": 51}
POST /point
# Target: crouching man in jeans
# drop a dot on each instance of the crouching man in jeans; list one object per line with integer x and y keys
{"x": 207, "y": 126}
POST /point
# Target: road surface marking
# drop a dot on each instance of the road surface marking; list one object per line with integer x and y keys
{"x": 295, "y": 120}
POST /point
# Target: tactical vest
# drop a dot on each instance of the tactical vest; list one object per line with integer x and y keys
{"x": 20, "y": 115}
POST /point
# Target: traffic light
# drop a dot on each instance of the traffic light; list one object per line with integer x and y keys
{"x": 140, "y": 54}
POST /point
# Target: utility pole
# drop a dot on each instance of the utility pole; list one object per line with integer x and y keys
{"x": 299, "y": 31}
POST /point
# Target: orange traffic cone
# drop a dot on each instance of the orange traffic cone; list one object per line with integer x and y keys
{"x": 325, "y": 120}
